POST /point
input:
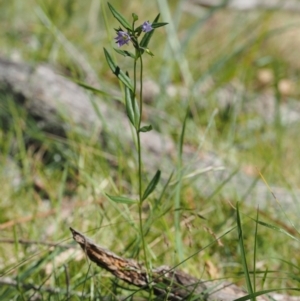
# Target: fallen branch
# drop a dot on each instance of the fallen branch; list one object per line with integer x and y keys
{"x": 166, "y": 282}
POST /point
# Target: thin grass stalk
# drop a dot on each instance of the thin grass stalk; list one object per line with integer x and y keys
{"x": 243, "y": 253}
{"x": 178, "y": 238}
{"x": 255, "y": 251}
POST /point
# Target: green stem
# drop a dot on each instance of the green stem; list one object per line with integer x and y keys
{"x": 139, "y": 148}
{"x": 140, "y": 178}
{"x": 141, "y": 89}
{"x": 134, "y": 76}
{"x": 140, "y": 163}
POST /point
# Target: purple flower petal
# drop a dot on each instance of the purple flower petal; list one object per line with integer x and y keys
{"x": 146, "y": 27}
{"x": 122, "y": 38}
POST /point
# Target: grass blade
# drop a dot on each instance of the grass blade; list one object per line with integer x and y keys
{"x": 254, "y": 256}
{"x": 243, "y": 253}
{"x": 278, "y": 229}
{"x": 177, "y": 205}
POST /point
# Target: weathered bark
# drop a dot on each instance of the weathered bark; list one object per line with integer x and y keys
{"x": 167, "y": 283}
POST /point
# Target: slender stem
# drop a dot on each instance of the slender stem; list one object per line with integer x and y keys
{"x": 140, "y": 162}
{"x": 134, "y": 75}
{"x": 139, "y": 145}
{"x": 140, "y": 178}
{"x": 139, "y": 148}
{"x": 141, "y": 88}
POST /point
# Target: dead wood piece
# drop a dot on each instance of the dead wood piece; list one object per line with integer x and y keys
{"x": 134, "y": 273}
{"x": 166, "y": 282}
{"x": 125, "y": 269}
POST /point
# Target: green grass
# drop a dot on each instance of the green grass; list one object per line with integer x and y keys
{"x": 63, "y": 180}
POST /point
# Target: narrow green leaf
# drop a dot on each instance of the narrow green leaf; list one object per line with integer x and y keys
{"x": 124, "y": 52}
{"x": 146, "y": 128}
{"x": 158, "y": 201}
{"x": 121, "y": 199}
{"x": 183, "y": 131}
{"x": 292, "y": 265}
{"x": 157, "y": 25}
{"x": 263, "y": 280}
{"x": 90, "y": 88}
{"x": 151, "y": 185}
{"x": 117, "y": 71}
{"x": 243, "y": 252}
{"x": 146, "y": 38}
{"x": 277, "y": 229}
{"x": 132, "y": 108}
{"x": 255, "y": 250}
{"x": 119, "y": 17}
{"x": 128, "y": 106}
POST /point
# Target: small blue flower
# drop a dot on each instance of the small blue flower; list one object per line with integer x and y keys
{"x": 146, "y": 27}
{"x": 122, "y": 38}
